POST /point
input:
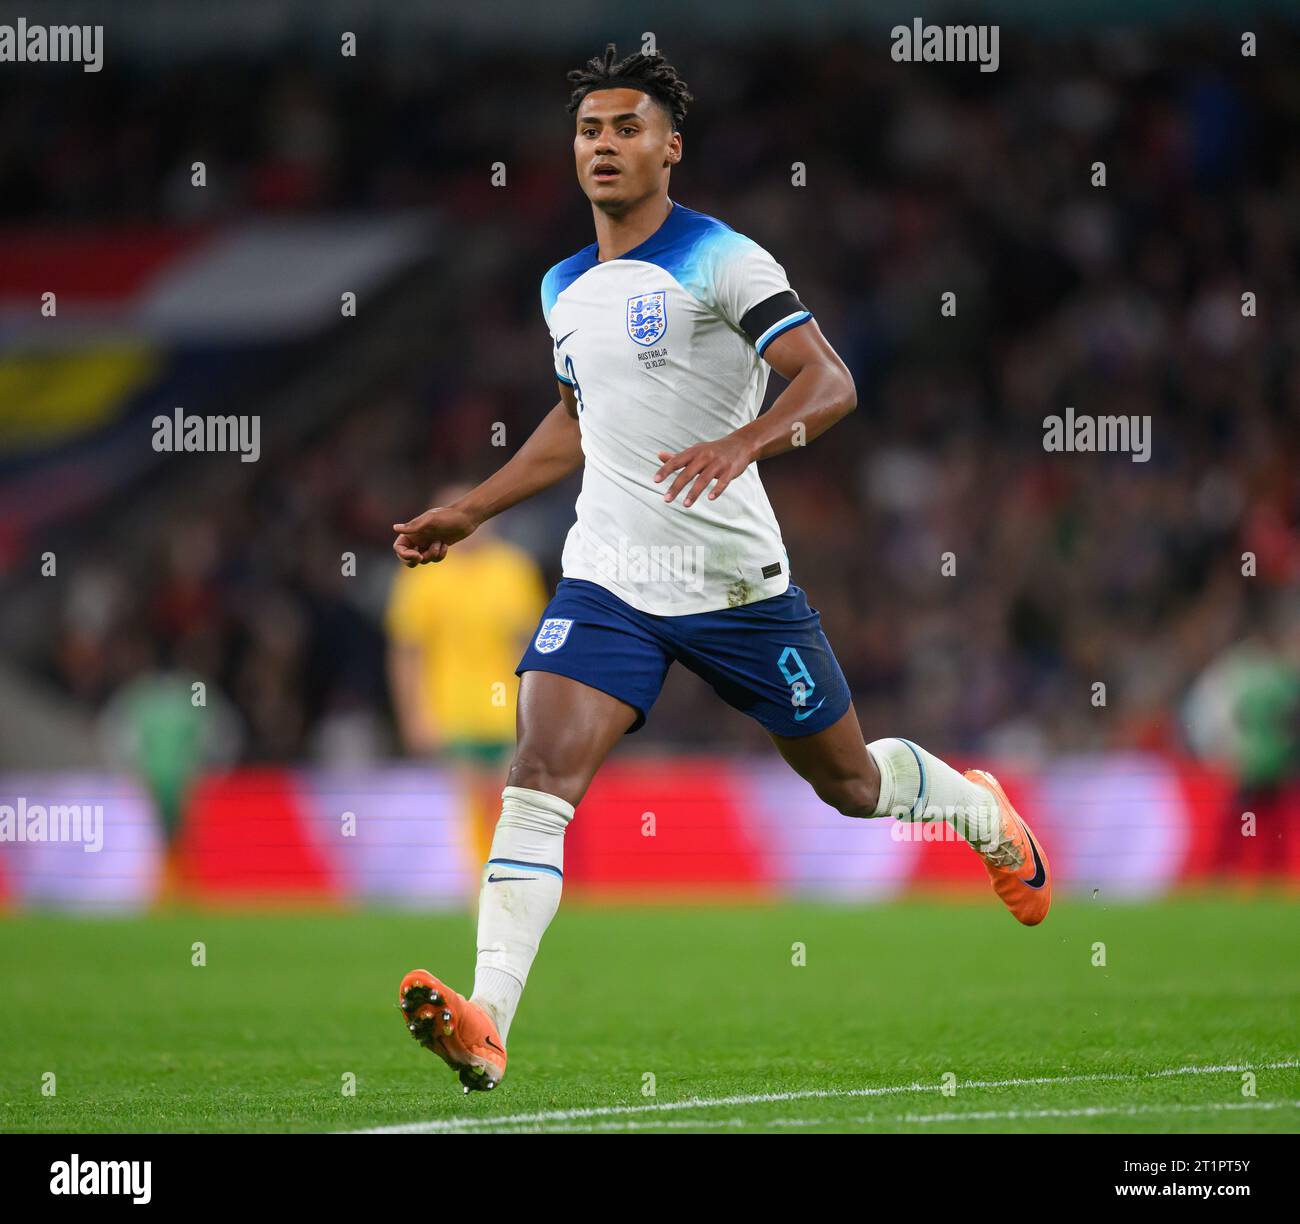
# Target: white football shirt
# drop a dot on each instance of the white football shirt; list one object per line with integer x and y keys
{"x": 663, "y": 349}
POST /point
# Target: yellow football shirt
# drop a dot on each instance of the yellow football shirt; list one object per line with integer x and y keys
{"x": 472, "y": 615}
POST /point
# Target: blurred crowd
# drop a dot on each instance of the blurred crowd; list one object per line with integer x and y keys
{"x": 1065, "y": 571}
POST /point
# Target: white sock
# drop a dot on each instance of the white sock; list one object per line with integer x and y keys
{"x": 519, "y": 896}
{"x": 915, "y": 785}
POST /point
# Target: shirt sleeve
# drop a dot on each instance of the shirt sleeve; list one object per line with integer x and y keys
{"x": 557, "y": 358}
{"x": 752, "y": 293}
{"x": 559, "y": 365}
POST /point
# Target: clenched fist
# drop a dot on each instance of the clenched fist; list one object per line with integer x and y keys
{"x": 428, "y": 536}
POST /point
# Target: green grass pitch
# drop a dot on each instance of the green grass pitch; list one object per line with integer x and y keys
{"x": 652, "y": 1019}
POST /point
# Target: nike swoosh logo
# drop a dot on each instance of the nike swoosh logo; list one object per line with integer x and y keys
{"x": 560, "y": 343}
{"x": 496, "y": 879}
{"x": 809, "y": 713}
{"x": 1040, "y": 872}
{"x": 492, "y": 1043}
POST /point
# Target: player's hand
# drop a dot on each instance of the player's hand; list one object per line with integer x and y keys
{"x": 428, "y": 536}
{"x": 721, "y": 462}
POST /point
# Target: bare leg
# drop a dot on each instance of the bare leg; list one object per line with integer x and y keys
{"x": 565, "y": 731}
{"x": 837, "y": 765}
{"x": 845, "y": 773}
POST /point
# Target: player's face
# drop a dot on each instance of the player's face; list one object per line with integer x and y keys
{"x": 623, "y": 145}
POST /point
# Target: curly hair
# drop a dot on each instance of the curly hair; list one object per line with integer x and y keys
{"x": 652, "y": 74}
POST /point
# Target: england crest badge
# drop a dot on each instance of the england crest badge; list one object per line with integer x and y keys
{"x": 552, "y": 635}
{"x": 647, "y": 317}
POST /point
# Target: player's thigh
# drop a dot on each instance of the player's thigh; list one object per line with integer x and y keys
{"x": 771, "y": 661}
{"x": 590, "y": 674}
{"x": 565, "y": 731}
{"x": 836, "y": 763}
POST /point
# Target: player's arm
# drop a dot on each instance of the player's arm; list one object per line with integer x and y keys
{"x": 821, "y": 392}
{"x": 552, "y": 452}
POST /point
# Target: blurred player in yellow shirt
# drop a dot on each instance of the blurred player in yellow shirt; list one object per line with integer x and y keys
{"x": 455, "y": 633}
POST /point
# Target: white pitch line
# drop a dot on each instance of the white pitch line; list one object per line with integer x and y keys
{"x": 765, "y": 1098}
{"x": 987, "y": 1115}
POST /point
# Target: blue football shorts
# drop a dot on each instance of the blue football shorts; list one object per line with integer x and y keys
{"x": 769, "y": 659}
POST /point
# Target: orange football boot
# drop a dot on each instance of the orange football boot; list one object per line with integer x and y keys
{"x": 1018, "y": 867}
{"x": 459, "y": 1032}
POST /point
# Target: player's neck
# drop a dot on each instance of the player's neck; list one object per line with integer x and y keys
{"x": 616, "y": 236}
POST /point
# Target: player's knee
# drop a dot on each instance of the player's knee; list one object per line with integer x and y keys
{"x": 542, "y": 772}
